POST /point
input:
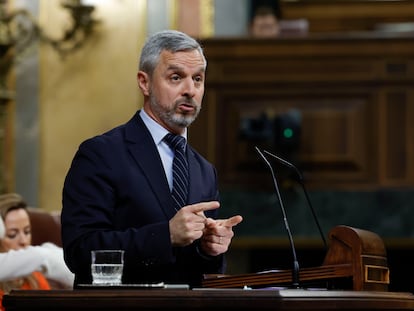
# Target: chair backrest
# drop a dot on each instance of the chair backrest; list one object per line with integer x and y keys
{"x": 46, "y": 226}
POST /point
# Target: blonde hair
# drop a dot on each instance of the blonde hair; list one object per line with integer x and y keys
{"x": 9, "y": 202}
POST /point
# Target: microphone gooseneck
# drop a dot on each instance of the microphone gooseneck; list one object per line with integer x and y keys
{"x": 295, "y": 270}
{"x": 302, "y": 183}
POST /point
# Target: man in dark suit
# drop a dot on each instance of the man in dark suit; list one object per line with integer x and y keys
{"x": 117, "y": 193}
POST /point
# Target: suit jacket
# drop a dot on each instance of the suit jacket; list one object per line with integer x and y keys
{"x": 116, "y": 196}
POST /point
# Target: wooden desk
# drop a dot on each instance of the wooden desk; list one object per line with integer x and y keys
{"x": 206, "y": 299}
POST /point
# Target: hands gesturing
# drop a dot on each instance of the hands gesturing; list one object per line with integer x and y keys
{"x": 190, "y": 224}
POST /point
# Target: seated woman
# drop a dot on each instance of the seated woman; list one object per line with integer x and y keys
{"x": 47, "y": 258}
{"x": 18, "y": 235}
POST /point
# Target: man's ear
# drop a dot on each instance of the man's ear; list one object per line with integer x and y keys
{"x": 143, "y": 82}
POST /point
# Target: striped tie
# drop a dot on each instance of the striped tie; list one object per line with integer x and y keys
{"x": 180, "y": 169}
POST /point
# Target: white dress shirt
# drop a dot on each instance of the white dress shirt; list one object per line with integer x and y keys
{"x": 158, "y": 132}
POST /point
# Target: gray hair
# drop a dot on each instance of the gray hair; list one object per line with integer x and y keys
{"x": 166, "y": 40}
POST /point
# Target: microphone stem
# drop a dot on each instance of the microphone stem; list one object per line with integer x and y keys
{"x": 295, "y": 270}
{"x": 314, "y": 215}
{"x": 301, "y": 182}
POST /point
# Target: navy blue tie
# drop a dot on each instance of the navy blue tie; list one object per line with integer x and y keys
{"x": 179, "y": 168}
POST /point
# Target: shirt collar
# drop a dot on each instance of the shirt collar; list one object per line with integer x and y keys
{"x": 157, "y": 131}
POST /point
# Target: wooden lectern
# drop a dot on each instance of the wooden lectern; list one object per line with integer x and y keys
{"x": 356, "y": 257}
{"x": 355, "y": 254}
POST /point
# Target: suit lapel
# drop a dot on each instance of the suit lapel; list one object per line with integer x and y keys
{"x": 195, "y": 183}
{"x": 145, "y": 153}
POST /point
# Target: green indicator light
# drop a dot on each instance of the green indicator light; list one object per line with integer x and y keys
{"x": 288, "y": 133}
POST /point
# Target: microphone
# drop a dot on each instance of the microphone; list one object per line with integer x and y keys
{"x": 301, "y": 182}
{"x": 295, "y": 270}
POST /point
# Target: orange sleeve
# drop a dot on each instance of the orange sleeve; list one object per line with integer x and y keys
{"x": 1, "y": 300}
{"x": 41, "y": 280}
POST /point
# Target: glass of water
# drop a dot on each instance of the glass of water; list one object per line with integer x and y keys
{"x": 107, "y": 267}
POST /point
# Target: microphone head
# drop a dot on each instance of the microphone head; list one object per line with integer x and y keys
{"x": 287, "y": 128}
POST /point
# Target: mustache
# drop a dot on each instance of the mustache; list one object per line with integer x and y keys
{"x": 187, "y": 101}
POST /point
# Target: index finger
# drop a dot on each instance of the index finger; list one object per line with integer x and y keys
{"x": 203, "y": 206}
{"x": 231, "y": 222}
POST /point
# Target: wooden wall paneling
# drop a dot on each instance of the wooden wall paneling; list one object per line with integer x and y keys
{"x": 410, "y": 136}
{"x": 338, "y": 137}
{"x": 348, "y": 15}
{"x": 336, "y": 141}
{"x": 397, "y": 132}
{"x": 353, "y": 95}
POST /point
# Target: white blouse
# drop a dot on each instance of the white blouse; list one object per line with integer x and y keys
{"x": 47, "y": 258}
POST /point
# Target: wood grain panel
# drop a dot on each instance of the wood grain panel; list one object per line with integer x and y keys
{"x": 352, "y": 95}
{"x": 348, "y": 15}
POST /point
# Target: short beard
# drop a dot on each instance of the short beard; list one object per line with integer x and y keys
{"x": 172, "y": 118}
